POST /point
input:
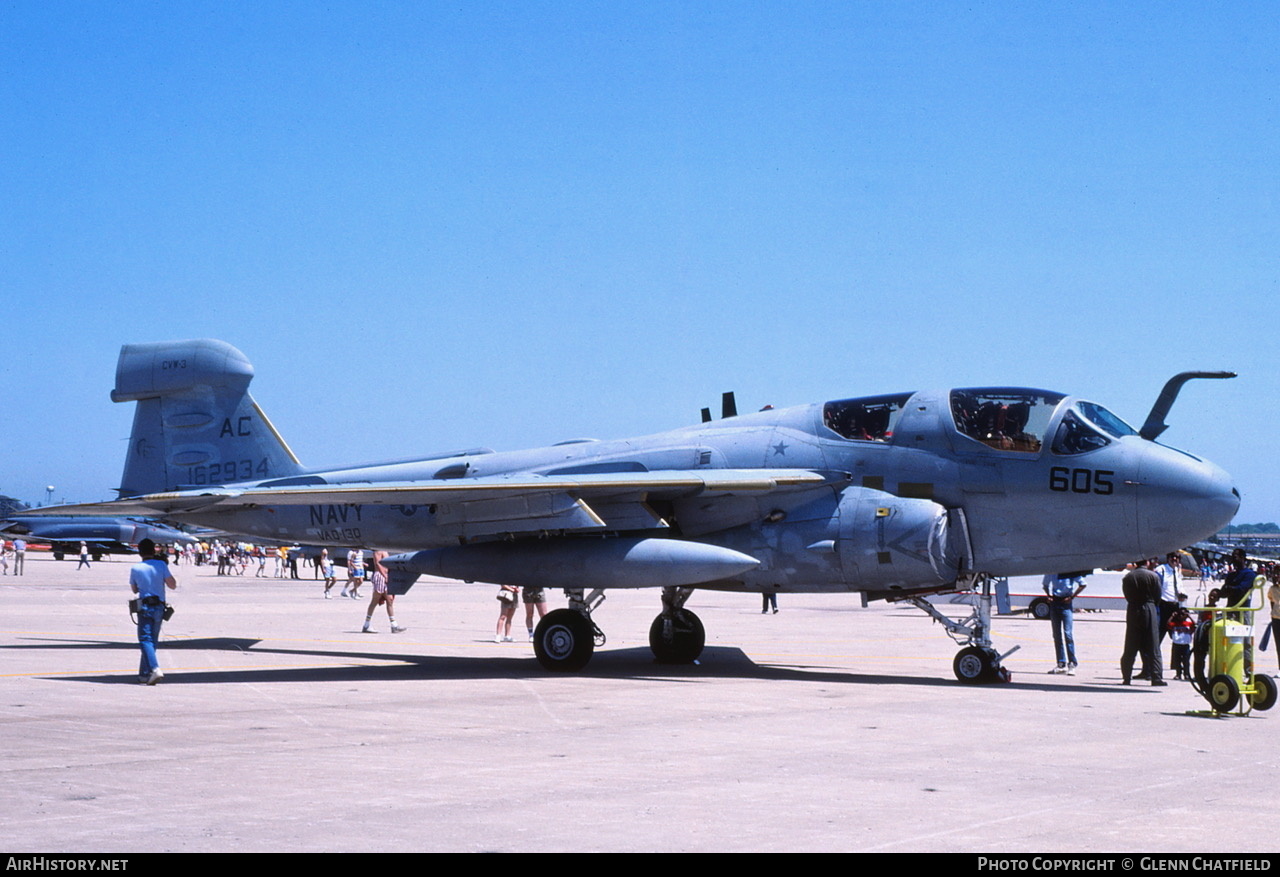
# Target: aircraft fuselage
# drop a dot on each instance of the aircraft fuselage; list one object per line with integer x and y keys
{"x": 1000, "y": 511}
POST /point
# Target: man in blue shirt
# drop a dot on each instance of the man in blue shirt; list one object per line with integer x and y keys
{"x": 148, "y": 579}
{"x": 1238, "y": 586}
{"x": 1237, "y": 590}
{"x": 1061, "y": 589}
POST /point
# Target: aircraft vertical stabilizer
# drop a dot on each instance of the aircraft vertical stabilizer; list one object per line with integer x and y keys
{"x": 195, "y": 422}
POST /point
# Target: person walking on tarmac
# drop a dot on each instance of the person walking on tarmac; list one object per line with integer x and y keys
{"x": 381, "y": 596}
{"x": 148, "y": 578}
{"x": 1141, "y": 589}
{"x": 1273, "y": 595}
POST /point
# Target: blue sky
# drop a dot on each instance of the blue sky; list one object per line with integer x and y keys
{"x": 435, "y": 226}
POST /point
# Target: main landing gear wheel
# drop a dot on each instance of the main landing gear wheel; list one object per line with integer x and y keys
{"x": 973, "y": 665}
{"x": 1264, "y": 692}
{"x": 677, "y": 638}
{"x": 1224, "y": 694}
{"x": 564, "y": 640}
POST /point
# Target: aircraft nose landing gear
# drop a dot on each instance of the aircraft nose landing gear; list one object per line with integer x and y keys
{"x": 974, "y": 664}
{"x": 977, "y": 661}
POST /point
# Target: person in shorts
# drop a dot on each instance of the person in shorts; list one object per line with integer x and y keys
{"x": 381, "y": 596}
{"x": 533, "y": 598}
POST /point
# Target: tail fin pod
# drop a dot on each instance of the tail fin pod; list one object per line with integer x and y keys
{"x": 195, "y": 422}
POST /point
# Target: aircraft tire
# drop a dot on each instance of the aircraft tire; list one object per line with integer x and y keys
{"x": 1224, "y": 693}
{"x": 58, "y": 555}
{"x": 973, "y": 665}
{"x": 681, "y": 641}
{"x": 1040, "y": 608}
{"x": 1264, "y": 692}
{"x": 564, "y": 641}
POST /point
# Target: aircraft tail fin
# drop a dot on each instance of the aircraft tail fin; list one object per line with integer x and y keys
{"x": 195, "y": 422}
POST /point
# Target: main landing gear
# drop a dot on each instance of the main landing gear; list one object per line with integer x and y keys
{"x": 676, "y": 635}
{"x": 565, "y": 639}
{"x": 977, "y": 661}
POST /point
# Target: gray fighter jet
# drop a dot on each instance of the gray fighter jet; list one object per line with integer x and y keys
{"x": 103, "y": 535}
{"x": 894, "y": 496}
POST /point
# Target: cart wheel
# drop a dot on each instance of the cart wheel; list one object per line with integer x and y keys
{"x": 1224, "y": 693}
{"x": 1264, "y": 692}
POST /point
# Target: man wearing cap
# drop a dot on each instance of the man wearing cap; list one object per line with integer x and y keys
{"x": 148, "y": 579}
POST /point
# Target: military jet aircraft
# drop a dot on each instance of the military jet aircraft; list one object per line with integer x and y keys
{"x": 103, "y": 535}
{"x": 894, "y": 496}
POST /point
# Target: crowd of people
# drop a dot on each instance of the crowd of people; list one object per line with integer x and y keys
{"x": 1158, "y": 606}
{"x": 240, "y": 558}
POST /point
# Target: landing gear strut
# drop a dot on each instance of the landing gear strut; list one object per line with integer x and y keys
{"x": 676, "y": 635}
{"x": 977, "y": 661}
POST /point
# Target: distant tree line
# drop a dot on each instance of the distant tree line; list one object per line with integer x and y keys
{"x": 1250, "y": 529}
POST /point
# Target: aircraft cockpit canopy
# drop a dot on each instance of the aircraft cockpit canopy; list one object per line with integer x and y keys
{"x": 1004, "y": 418}
{"x": 1085, "y": 428}
{"x": 870, "y": 419}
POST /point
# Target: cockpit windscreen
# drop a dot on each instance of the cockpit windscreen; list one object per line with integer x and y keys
{"x": 1105, "y": 420}
{"x": 1004, "y": 418}
{"x": 871, "y": 419}
{"x": 1085, "y": 428}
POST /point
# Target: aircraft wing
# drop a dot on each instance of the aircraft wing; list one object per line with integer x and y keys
{"x": 617, "y": 486}
{"x": 152, "y": 506}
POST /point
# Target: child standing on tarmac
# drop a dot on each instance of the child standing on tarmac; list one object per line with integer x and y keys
{"x": 1181, "y": 628}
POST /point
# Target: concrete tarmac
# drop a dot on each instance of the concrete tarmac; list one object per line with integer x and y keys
{"x": 280, "y": 727}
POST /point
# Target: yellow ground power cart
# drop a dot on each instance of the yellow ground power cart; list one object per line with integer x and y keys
{"x": 1223, "y": 658}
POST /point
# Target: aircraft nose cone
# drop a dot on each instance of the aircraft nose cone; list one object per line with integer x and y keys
{"x": 1182, "y": 500}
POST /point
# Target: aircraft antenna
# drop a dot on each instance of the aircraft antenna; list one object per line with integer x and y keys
{"x": 728, "y": 405}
